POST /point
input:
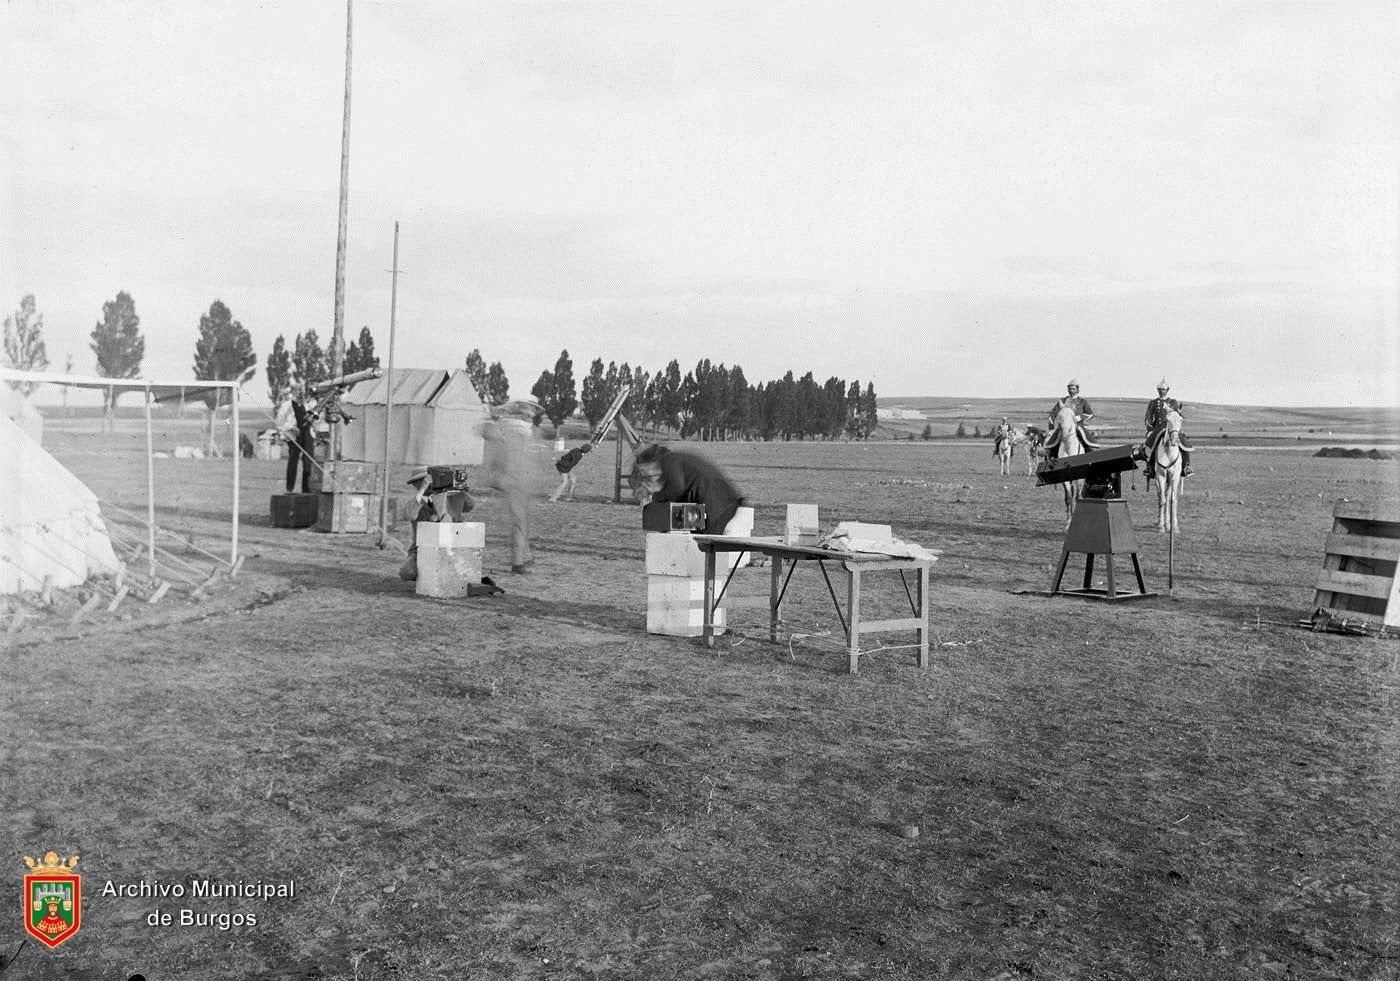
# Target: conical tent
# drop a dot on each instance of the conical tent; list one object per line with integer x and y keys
{"x": 437, "y": 418}
{"x": 18, "y": 410}
{"x": 50, "y": 524}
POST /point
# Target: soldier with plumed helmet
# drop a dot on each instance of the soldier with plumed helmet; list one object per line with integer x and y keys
{"x": 1155, "y": 421}
{"x": 1083, "y": 411}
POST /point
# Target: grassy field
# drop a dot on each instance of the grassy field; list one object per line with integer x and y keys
{"x": 530, "y": 786}
{"x": 1122, "y": 418}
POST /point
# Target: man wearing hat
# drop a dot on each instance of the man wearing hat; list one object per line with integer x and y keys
{"x": 299, "y": 430}
{"x": 1003, "y": 431}
{"x": 1083, "y": 412}
{"x": 431, "y": 504}
{"x": 1156, "y": 422}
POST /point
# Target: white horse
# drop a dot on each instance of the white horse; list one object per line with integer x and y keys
{"x": 1004, "y": 446}
{"x": 1064, "y": 440}
{"x": 1166, "y": 461}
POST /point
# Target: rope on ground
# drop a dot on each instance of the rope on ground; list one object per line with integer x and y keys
{"x": 184, "y": 540}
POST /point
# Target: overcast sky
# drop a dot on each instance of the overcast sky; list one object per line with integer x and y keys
{"x": 975, "y": 199}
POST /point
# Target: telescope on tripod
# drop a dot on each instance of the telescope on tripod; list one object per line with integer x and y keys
{"x": 1100, "y": 523}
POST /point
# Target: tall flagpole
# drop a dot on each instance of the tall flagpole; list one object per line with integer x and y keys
{"x": 338, "y": 336}
{"x": 389, "y": 395}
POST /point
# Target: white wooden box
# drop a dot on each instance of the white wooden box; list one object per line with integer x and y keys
{"x": 802, "y": 528}
{"x": 449, "y": 534}
{"x": 447, "y": 572}
{"x": 673, "y": 554}
{"x": 676, "y": 607}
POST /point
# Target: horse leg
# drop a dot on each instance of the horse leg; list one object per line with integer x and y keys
{"x": 1161, "y": 503}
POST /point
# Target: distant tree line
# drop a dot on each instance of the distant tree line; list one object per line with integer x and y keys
{"x": 712, "y": 402}
{"x": 709, "y": 402}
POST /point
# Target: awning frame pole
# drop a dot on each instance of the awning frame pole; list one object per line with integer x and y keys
{"x": 237, "y": 459}
{"x": 150, "y": 491}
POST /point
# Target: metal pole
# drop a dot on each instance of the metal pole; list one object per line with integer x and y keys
{"x": 389, "y": 393}
{"x": 338, "y": 336}
{"x": 617, "y": 471}
{"x": 1171, "y": 554}
{"x": 150, "y": 491}
{"x": 237, "y": 459}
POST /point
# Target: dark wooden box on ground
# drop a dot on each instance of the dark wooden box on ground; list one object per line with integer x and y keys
{"x": 295, "y": 510}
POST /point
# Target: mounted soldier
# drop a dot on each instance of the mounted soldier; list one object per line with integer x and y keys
{"x": 1003, "y": 441}
{"x": 1155, "y": 421}
{"x": 1083, "y": 412}
{"x": 1002, "y": 433}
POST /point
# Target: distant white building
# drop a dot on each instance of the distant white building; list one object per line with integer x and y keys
{"x": 898, "y": 413}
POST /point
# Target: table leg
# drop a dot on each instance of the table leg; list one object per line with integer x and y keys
{"x": 1060, "y": 572}
{"x": 774, "y": 602}
{"x": 922, "y": 614}
{"x": 708, "y": 629}
{"x": 853, "y": 618}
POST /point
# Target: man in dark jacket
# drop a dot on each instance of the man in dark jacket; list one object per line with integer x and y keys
{"x": 301, "y": 444}
{"x": 683, "y": 477}
{"x": 1155, "y": 421}
{"x": 565, "y": 466}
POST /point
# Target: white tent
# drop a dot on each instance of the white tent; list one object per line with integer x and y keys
{"x": 50, "y": 524}
{"x": 436, "y": 418}
{"x": 18, "y": 410}
{"x": 154, "y": 391}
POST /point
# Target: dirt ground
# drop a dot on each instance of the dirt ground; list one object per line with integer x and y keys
{"x": 530, "y": 786}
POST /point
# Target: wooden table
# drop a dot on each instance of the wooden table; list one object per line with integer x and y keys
{"x": 855, "y": 564}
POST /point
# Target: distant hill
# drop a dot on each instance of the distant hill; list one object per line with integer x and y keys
{"x": 1204, "y": 421}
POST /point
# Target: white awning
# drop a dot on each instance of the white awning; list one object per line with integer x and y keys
{"x": 161, "y": 390}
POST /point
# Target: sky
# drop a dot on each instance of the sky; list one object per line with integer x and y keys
{"x": 955, "y": 199}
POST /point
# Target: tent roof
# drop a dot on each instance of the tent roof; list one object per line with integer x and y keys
{"x": 161, "y": 390}
{"x": 412, "y": 386}
{"x": 14, "y": 405}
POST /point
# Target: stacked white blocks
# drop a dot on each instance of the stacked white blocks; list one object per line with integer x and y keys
{"x": 676, "y": 586}
{"x": 449, "y": 557}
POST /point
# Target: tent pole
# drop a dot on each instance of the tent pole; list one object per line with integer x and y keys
{"x": 237, "y": 459}
{"x": 389, "y": 394}
{"x": 150, "y": 490}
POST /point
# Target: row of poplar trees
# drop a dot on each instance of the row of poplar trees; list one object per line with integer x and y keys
{"x": 711, "y": 402}
{"x": 116, "y": 340}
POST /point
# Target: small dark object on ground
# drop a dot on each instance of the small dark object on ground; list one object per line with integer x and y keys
{"x": 487, "y": 587}
{"x": 1354, "y": 453}
{"x": 1324, "y": 620}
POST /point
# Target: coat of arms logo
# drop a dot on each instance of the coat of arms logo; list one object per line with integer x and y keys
{"x": 53, "y": 900}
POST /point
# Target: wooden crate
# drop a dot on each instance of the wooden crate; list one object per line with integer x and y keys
{"x": 1358, "y": 569}
{"x": 350, "y": 477}
{"x": 348, "y": 514}
{"x": 447, "y": 572}
{"x": 676, "y": 606}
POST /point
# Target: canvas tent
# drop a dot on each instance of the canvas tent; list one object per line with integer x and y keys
{"x": 154, "y": 391}
{"x": 434, "y": 416}
{"x": 50, "y": 524}
{"x": 18, "y": 410}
